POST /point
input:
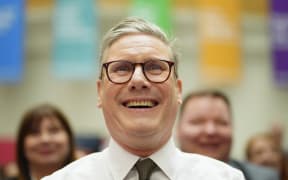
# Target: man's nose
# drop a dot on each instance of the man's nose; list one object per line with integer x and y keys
{"x": 138, "y": 80}
{"x": 138, "y": 73}
{"x": 210, "y": 128}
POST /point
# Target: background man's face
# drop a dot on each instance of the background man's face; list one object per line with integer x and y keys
{"x": 206, "y": 128}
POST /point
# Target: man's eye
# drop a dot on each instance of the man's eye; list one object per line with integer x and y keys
{"x": 154, "y": 68}
{"x": 119, "y": 66}
{"x": 222, "y": 122}
{"x": 123, "y": 68}
{"x": 195, "y": 121}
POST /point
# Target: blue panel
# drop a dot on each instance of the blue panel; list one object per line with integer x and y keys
{"x": 75, "y": 40}
{"x": 11, "y": 40}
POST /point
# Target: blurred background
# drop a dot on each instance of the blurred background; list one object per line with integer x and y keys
{"x": 49, "y": 51}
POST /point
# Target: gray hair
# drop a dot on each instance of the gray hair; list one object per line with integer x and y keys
{"x": 132, "y": 25}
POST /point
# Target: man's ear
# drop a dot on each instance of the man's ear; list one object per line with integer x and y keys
{"x": 179, "y": 91}
{"x": 99, "y": 92}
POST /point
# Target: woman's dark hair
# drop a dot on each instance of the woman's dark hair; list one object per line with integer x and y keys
{"x": 32, "y": 120}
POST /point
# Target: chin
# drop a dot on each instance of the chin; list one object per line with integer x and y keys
{"x": 143, "y": 130}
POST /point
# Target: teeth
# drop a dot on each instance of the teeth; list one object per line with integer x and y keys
{"x": 143, "y": 103}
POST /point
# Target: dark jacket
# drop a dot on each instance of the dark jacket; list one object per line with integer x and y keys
{"x": 254, "y": 172}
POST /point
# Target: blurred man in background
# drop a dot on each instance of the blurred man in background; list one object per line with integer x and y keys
{"x": 205, "y": 127}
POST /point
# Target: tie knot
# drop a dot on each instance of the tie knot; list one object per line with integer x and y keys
{"x": 145, "y": 168}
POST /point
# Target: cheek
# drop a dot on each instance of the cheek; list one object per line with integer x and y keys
{"x": 62, "y": 138}
{"x": 190, "y": 131}
{"x": 29, "y": 143}
{"x": 228, "y": 135}
{"x": 108, "y": 95}
{"x": 168, "y": 89}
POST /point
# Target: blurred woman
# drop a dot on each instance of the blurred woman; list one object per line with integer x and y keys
{"x": 45, "y": 142}
{"x": 264, "y": 150}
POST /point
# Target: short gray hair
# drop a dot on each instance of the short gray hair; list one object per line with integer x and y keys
{"x": 132, "y": 25}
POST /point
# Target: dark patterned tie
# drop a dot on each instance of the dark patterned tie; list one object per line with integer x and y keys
{"x": 145, "y": 168}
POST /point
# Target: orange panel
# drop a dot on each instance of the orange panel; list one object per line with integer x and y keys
{"x": 219, "y": 30}
{"x": 39, "y": 3}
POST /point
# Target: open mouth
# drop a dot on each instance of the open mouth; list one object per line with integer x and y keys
{"x": 140, "y": 104}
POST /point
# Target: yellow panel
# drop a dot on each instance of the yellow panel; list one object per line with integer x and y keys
{"x": 259, "y": 7}
{"x": 219, "y": 30}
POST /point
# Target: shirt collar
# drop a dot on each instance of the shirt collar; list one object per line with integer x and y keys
{"x": 166, "y": 159}
{"x": 121, "y": 161}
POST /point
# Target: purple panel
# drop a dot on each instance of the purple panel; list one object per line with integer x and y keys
{"x": 279, "y": 39}
{"x": 279, "y": 6}
{"x": 280, "y": 61}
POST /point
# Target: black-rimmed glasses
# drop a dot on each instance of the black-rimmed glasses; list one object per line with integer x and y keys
{"x": 121, "y": 71}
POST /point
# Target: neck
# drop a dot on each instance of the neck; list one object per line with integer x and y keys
{"x": 140, "y": 152}
{"x": 145, "y": 148}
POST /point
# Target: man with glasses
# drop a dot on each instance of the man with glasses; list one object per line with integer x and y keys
{"x": 139, "y": 93}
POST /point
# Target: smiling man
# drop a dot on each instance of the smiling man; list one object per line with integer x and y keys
{"x": 139, "y": 93}
{"x": 205, "y": 127}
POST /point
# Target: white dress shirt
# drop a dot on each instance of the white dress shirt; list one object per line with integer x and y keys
{"x": 114, "y": 163}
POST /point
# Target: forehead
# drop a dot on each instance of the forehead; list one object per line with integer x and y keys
{"x": 207, "y": 106}
{"x": 262, "y": 141}
{"x": 137, "y": 47}
{"x": 45, "y": 121}
{"x": 42, "y": 123}
{"x": 51, "y": 121}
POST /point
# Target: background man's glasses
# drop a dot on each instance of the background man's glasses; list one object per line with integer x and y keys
{"x": 121, "y": 71}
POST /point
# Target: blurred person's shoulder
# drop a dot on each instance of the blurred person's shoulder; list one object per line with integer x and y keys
{"x": 255, "y": 172}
